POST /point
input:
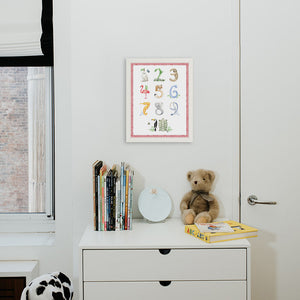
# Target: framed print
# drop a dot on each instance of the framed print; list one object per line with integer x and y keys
{"x": 159, "y": 100}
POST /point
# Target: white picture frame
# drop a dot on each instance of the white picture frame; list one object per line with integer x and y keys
{"x": 159, "y": 100}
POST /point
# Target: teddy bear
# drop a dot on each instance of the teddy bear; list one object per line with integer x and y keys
{"x": 198, "y": 205}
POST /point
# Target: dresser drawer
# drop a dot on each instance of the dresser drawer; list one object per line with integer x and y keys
{"x": 151, "y": 265}
{"x": 177, "y": 290}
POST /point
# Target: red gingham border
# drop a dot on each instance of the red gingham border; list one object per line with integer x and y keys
{"x": 187, "y": 100}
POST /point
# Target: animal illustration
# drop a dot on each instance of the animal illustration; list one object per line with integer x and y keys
{"x": 144, "y": 75}
{"x": 147, "y": 105}
{"x": 155, "y": 124}
{"x": 158, "y": 88}
{"x": 163, "y": 125}
{"x": 144, "y": 91}
{"x": 173, "y": 72}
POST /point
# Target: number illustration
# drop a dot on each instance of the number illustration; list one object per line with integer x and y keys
{"x": 159, "y": 111}
{"x": 158, "y": 77}
{"x": 158, "y": 88}
{"x": 144, "y": 75}
{"x": 147, "y": 105}
{"x": 174, "y": 108}
{"x": 173, "y": 92}
{"x": 173, "y": 72}
{"x": 144, "y": 91}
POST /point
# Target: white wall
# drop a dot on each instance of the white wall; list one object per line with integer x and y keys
{"x": 103, "y": 35}
{"x": 90, "y": 106}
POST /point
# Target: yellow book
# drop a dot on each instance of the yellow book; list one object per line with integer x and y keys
{"x": 240, "y": 231}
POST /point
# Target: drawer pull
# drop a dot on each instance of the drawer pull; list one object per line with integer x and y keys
{"x": 165, "y": 283}
{"x": 164, "y": 251}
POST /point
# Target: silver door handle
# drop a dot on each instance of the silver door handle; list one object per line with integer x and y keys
{"x": 252, "y": 200}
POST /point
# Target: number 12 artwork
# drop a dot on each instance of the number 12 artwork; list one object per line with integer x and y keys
{"x": 159, "y": 100}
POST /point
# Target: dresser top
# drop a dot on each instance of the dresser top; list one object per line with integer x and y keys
{"x": 144, "y": 235}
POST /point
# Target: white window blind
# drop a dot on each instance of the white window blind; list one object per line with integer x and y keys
{"x": 20, "y": 28}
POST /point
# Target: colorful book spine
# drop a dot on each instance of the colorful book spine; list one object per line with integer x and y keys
{"x": 96, "y": 170}
{"x": 99, "y": 202}
{"x": 108, "y": 201}
{"x": 118, "y": 199}
{"x": 121, "y": 196}
{"x": 193, "y": 230}
{"x": 126, "y": 198}
{"x": 101, "y": 198}
{"x": 94, "y": 192}
{"x": 102, "y": 202}
{"x": 105, "y": 202}
{"x": 130, "y": 200}
{"x": 113, "y": 202}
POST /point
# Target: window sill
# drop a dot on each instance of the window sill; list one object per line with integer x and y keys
{"x": 26, "y": 223}
{"x": 10, "y": 239}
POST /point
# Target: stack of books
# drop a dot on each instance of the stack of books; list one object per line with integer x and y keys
{"x": 112, "y": 197}
{"x": 221, "y": 231}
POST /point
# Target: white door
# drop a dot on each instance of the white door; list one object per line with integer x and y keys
{"x": 270, "y": 86}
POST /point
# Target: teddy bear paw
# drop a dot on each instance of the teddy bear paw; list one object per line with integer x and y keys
{"x": 202, "y": 220}
{"x": 188, "y": 216}
{"x": 203, "y": 217}
{"x": 189, "y": 219}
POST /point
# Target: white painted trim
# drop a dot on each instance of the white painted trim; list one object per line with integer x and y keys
{"x": 26, "y": 239}
{"x": 49, "y": 133}
{"x": 81, "y": 291}
{"x": 235, "y": 6}
{"x": 248, "y": 273}
{"x": 26, "y": 223}
{"x": 19, "y": 268}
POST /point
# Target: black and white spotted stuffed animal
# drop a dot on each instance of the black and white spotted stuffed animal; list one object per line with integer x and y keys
{"x": 54, "y": 286}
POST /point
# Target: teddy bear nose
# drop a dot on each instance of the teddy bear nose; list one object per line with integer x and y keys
{"x": 195, "y": 182}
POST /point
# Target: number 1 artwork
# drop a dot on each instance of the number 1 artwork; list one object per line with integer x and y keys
{"x": 159, "y": 100}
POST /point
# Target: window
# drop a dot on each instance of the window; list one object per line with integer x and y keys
{"x": 26, "y": 116}
{"x": 26, "y": 143}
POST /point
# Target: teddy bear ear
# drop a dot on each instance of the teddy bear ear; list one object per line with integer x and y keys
{"x": 211, "y": 175}
{"x": 189, "y": 175}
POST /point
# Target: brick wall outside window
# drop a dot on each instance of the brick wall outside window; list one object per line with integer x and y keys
{"x": 13, "y": 140}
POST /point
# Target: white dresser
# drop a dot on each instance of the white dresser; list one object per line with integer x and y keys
{"x": 160, "y": 261}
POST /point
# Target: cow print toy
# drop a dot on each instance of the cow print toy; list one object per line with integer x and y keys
{"x": 54, "y": 286}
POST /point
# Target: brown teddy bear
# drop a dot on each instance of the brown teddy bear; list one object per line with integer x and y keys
{"x": 198, "y": 205}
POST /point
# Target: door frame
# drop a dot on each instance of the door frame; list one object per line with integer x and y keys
{"x": 236, "y": 106}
